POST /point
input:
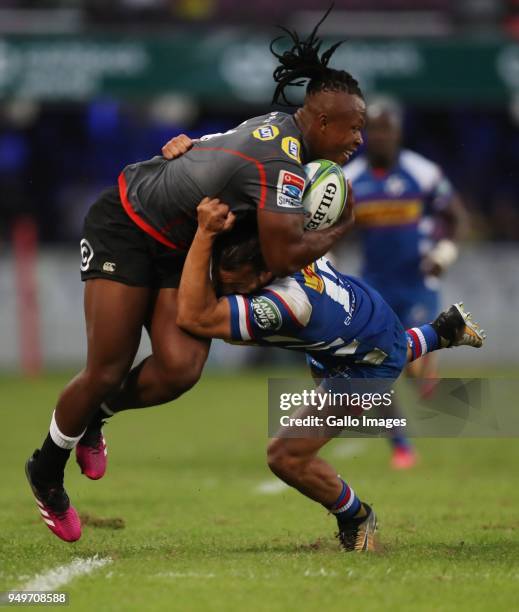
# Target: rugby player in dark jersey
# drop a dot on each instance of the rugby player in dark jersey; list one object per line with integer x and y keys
{"x": 135, "y": 240}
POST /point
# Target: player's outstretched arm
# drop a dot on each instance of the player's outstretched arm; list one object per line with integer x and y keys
{"x": 200, "y": 312}
{"x": 454, "y": 221}
{"x": 286, "y": 247}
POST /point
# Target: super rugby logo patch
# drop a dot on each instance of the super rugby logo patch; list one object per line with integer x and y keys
{"x": 87, "y": 252}
{"x": 265, "y": 313}
{"x": 290, "y": 190}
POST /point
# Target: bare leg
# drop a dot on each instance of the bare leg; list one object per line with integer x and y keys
{"x": 174, "y": 367}
{"x": 295, "y": 461}
{"x": 114, "y": 315}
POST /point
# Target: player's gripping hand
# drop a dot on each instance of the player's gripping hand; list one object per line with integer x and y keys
{"x": 177, "y": 146}
{"x": 347, "y": 219}
{"x": 214, "y": 217}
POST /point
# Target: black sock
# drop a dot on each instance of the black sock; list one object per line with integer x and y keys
{"x": 344, "y": 520}
{"x": 97, "y": 420}
{"x": 91, "y": 434}
{"x": 49, "y": 467}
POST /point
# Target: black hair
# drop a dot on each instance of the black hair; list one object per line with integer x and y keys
{"x": 302, "y": 62}
{"x": 239, "y": 247}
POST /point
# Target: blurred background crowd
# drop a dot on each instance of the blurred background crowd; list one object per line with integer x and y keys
{"x": 88, "y": 86}
{"x": 60, "y": 145}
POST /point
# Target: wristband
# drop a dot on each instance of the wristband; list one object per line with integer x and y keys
{"x": 444, "y": 254}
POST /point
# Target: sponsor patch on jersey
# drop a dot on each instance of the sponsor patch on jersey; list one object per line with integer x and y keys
{"x": 380, "y": 213}
{"x": 395, "y": 186}
{"x": 266, "y": 132}
{"x": 87, "y": 252}
{"x": 292, "y": 148}
{"x": 265, "y": 313}
{"x": 290, "y": 190}
{"x": 312, "y": 279}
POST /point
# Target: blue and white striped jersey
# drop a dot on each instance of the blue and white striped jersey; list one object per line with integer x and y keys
{"x": 394, "y": 213}
{"x": 331, "y": 316}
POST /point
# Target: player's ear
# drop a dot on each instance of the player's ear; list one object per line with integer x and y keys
{"x": 323, "y": 121}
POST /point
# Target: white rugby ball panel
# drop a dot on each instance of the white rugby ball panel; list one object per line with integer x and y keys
{"x": 325, "y": 194}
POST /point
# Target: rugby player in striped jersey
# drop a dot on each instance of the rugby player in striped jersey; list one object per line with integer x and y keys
{"x": 344, "y": 326}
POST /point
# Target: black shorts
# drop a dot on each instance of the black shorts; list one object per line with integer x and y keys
{"x": 113, "y": 247}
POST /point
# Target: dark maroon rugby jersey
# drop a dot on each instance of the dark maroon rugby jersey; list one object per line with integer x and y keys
{"x": 255, "y": 165}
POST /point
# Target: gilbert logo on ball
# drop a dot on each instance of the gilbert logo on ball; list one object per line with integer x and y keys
{"x": 325, "y": 194}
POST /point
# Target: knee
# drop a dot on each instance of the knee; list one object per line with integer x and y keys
{"x": 282, "y": 462}
{"x": 185, "y": 378}
{"x": 181, "y": 373}
{"x": 104, "y": 379}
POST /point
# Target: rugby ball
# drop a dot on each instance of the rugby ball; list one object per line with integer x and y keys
{"x": 325, "y": 194}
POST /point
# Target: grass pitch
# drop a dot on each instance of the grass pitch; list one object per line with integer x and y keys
{"x": 190, "y": 518}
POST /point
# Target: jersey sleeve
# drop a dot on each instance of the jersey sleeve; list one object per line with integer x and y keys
{"x": 283, "y": 187}
{"x": 268, "y": 313}
{"x": 441, "y": 194}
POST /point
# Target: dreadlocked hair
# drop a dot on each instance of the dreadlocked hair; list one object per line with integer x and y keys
{"x": 302, "y": 63}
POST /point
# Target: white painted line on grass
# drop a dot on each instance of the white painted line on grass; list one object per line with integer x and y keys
{"x": 61, "y": 575}
{"x": 272, "y": 486}
{"x": 318, "y": 573}
{"x": 186, "y": 575}
{"x": 348, "y": 448}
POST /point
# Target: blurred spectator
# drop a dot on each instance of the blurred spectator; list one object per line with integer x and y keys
{"x": 504, "y": 217}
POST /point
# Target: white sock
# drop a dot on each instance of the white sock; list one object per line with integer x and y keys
{"x": 60, "y": 439}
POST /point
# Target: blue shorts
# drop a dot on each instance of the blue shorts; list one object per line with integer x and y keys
{"x": 391, "y": 368}
{"x": 413, "y": 308}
